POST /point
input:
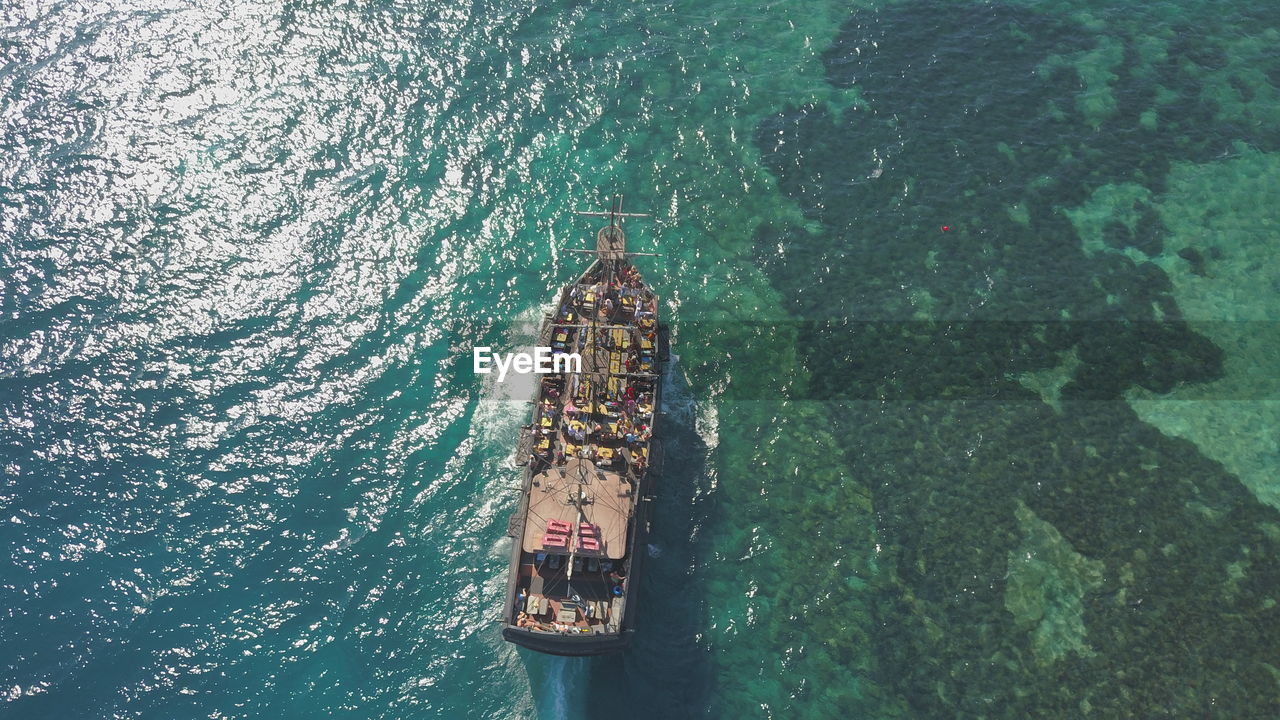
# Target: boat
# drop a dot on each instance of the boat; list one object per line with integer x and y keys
{"x": 590, "y": 456}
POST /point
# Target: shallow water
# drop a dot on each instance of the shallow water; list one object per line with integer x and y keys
{"x": 975, "y": 410}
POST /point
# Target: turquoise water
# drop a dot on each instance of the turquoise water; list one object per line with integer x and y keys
{"x": 1023, "y": 466}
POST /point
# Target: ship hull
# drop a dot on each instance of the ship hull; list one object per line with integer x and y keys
{"x": 582, "y": 600}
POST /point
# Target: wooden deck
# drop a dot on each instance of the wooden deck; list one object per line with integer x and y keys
{"x": 607, "y": 501}
{"x": 611, "y": 243}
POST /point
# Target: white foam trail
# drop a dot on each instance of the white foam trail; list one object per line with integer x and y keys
{"x": 681, "y": 408}
{"x": 677, "y": 401}
{"x": 562, "y": 678}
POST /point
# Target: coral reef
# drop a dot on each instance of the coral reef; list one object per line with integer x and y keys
{"x": 1047, "y": 146}
{"x": 1045, "y": 587}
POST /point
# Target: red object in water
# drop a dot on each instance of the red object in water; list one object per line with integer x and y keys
{"x": 946, "y": 228}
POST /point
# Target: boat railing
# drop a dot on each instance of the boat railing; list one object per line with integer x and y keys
{"x": 544, "y": 336}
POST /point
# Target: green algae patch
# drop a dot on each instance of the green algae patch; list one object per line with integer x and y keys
{"x": 1220, "y": 258}
{"x": 1096, "y": 68}
{"x": 1048, "y": 383}
{"x": 1096, "y": 221}
{"x": 1220, "y": 252}
{"x": 923, "y": 302}
{"x": 1046, "y": 586}
{"x": 1019, "y": 214}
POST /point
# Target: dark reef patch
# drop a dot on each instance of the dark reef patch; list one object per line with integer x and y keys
{"x": 919, "y": 338}
{"x": 1149, "y": 231}
{"x": 1194, "y": 258}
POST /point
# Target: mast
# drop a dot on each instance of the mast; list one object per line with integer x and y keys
{"x": 611, "y": 248}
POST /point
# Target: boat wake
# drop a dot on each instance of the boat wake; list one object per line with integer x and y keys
{"x": 562, "y": 679}
{"x": 682, "y": 410}
{"x": 677, "y": 399}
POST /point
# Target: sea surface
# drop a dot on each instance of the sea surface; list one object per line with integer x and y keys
{"x": 976, "y": 411}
